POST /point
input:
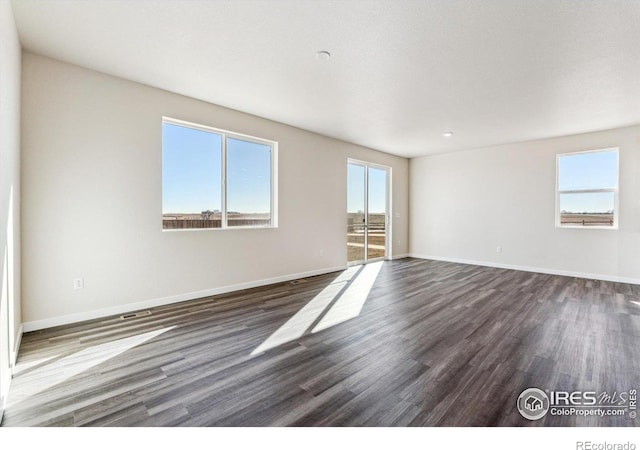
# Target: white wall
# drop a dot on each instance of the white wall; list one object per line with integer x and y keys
{"x": 465, "y": 204}
{"x": 10, "y": 315}
{"x": 92, "y": 199}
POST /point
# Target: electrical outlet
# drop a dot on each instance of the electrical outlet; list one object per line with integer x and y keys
{"x": 498, "y": 249}
{"x": 321, "y": 252}
{"x": 78, "y": 283}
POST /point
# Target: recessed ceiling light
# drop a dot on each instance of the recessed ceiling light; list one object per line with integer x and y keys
{"x": 448, "y": 134}
{"x": 323, "y": 54}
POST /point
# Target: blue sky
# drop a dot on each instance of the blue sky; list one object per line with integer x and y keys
{"x": 191, "y": 172}
{"x": 596, "y": 170}
{"x": 191, "y": 175}
{"x": 248, "y": 177}
{"x": 192, "y": 161}
{"x": 580, "y": 203}
{"x": 355, "y": 189}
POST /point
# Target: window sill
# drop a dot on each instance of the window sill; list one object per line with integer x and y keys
{"x": 173, "y": 230}
{"x": 586, "y": 227}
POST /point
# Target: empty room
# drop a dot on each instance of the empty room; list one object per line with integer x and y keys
{"x": 319, "y": 213}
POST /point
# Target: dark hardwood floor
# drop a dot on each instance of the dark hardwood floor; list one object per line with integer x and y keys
{"x": 434, "y": 344}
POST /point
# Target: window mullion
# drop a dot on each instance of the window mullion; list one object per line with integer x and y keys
{"x": 224, "y": 181}
{"x": 587, "y": 191}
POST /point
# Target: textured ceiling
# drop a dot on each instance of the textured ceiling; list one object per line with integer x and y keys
{"x": 401, "y": 72}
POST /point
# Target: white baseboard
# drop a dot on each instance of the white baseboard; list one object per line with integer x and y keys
{"x": 402, "y": 255}
{"x": 130, "y": 307}
{"x": 565, "y": 273}
{"x": 16, "y": 348}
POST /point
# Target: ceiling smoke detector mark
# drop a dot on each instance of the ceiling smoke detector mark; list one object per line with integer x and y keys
{"x": 323, "y": 55}
{"x": 448, "y": 134}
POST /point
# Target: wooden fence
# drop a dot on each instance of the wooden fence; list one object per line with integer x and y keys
{"x": 172, "y": 224}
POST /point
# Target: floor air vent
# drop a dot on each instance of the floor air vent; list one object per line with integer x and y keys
{"x": 135, "y": 314}
{"x": 297, "y": 281}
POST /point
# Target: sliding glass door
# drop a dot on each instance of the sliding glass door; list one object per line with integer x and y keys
{"x": 367, "y": 212}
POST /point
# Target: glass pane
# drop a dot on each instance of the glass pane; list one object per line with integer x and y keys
{"x": 377, "y": 213}
{"x": 248, "y": 183}
{"x": 191, "y": 178}
{"x": 589, "y": 209}
{"x": 597, "y": 170}
{"x": 355, "y": 212}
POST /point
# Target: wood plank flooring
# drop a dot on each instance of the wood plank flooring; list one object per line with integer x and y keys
{"x": 434, "y": 344}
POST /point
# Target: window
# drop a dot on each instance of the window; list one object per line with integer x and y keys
{"x": 216, "y": 179}
{"x": 587, "y": 189}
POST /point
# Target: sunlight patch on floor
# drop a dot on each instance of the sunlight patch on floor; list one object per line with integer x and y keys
{"x": 303, "y": 319}
{"x": 25, "y": 366}
{"x": 352, "y": 300}
{"x": 49, "y": 375}
{"x": 340, "y": 301}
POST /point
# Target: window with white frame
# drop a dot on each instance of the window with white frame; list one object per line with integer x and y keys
{"x": 216, "y": 179}
{"x": 587, "y": 189}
